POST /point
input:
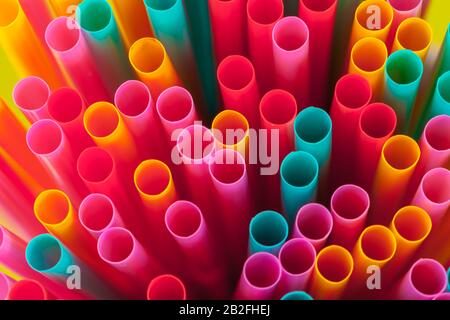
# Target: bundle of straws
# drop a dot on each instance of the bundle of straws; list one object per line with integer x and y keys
{"x": 224, "y": 149}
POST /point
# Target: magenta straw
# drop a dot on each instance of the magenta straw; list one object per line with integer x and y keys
{"x": 28, "y": 290}
{"x": 166, "y": 287}
{"x": 297, "y": 258}
{"x": 66, "y": 41}
{"x": 435, "y": 143}
{"x": 97, "y": 213}
{"x": 349, "y": 207}
{"x": 31, "y": 95}
{"x": 313, "y": 223}
{"x": 425, "y": 280}
{"x": 260, "y": 276}
{"x": 5, "y": 286}
{"x": 443, "y": 296}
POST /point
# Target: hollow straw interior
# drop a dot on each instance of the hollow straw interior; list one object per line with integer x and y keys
{"x": 43, "y": 253}
{"x": 297, "y": 256}
{"x": 153, "y": 177}
{"x": 378, "y": 243}
{"x": 369, "y": 54}
{"x": 262, "y": 270}
{"x": 350, "y": 202}
{"x": 299, "y": 169}
{"x": 428, "y": 277}
{"x": 313, "y": 125}
{"x": 10, "y": 11}
{"x": 335, "y": 264}
{"x": 44, "y": 137}
{"x": 52, "y": 207}
{"x": 27, "y": 290}
{"x": 444, "y": 86}
{"x": 228, "y": 167}
{"x": 229, "y": 77}
{"x": 160, "y": 4}
{"x": 96, "y": 212}
{"x": 101, "y": 119}
{"x": 414, "y": 34}
{"x": 269, "y": 228}
{"x": 115, "y": 245}
{"x": 94, "y": 15}
{"x": 230, "y": 127}
{"x": 363, "y": 14}
{"x": 404, "y": 67}
{"x": 95, "y": 165}
{"x": 265, "y": 11}
{"x": 401, "y": 152}
{"x": 196, "y": 143}
{"x": 31, "y": 93}
{"x": 291, "y": 34}
{"x": 65, "y": 105}
{"x": 278, "y": 107}
{"x": 297, "y": 295}
{"x": 132, "y": 98}
{"x": 147, "y": 55}
{"x": 412, "y": 224}
{"x": 183, "y": 219}
{"x": 60, "y": 37}
{"x": 353, "y": 91}
{"x": 314, "y": 222}
{"x": 404, "y": 5}
{"x": 175, "y": 104}
{"x": 378, "y": 120}
{"x": 318, "y": 6}
{"x": 436, "y": 185}
{"x": 166, "y": 287}
{"x": 436, "y": 133}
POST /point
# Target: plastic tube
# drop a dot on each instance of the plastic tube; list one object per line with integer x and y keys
{"x": 435, "y": 143}
{"x": 231, "y": 131}
{"x": 376, "y": 125}
{"x": 298, "y": 187}
{"x": 403, "y": 74}
{"x": 349, "y": 207}
{"x": 297, "y": 295}
{"x": 313, "y": 223}
{"x": 6, "y": 284}
{"x": 332, "y": 270}
{"x": 28, "y": 290}
{"x": 166, "y": 287}
{"x": 237, "y": 82}
{"x": 416, "y": 35}
{"x": 31, "y": 95}
{"x": 261, "y": 19}
{"x": 290, "y": 38}
{"x": 268, "y": 232}
{"x": 440, "y": 103}
{"x": 402, "y": 11}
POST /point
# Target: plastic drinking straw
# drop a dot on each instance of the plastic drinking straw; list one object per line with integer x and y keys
{"x": 228, "y": 27}
{"x": 313, "y": 134}
{"x": 425, "y": 280}
{"x": 132, "y": 20}
{"x": 97, "y": 213}
{"x": 403, "y": 74}
{"x": 39, "y": 14}
{"x": 5, "y": 286}
{"x": 176, "y": 111}
{"x": 435, "y": 143}
{"x": 376, "y": 125}
{"x": 297, "y": 295}
{"x": 448, "y": 279}
{"x": 31, "y": 95}
{"x": 25, "y": 53}
{"x": 332, "y": 270}
{"x": 107, "y": 128}
{"x": 399, "y": 158}
{"x": 433, "y": 194}
{"x": 261, "y": 19}
{"x": 368, "y": 59}
{"x": 351, "y": 95}
{"x": 297, "y": 258}
{"x": 376, "y": 246}
{"x": 152, "y": 65}
{"x": 69, "y": 46}
{"x": 373, "y": 18}
{"x": 414, "y": 34}
{"x": 237, "y": 82}
{"x": 260, "y": 276}
{"x": 268, "y": 232}
{"x": 349, "y": 207}
{"x": 299, "y": 175}
{"x": 64, "y": 7}
{"x": 99, "y": 28}
{"x": 28, "y": 290}
{"x": 231, "y": 131}
{"x": 313, "y": 223}
{"x": 66, "y": 107}
{"x": 443, "y": 296}
{"x": 166, "y": 287}
{"x": 320, "y": 17}
{"x": 440, "y": 103}
{"x": 402, "y": 11}
{"x": 290, "y": 38}
{"x": 48, "y": 143}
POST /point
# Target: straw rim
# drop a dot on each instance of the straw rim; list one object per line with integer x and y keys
{"x": 364, "y": 41}
{"x": 260, "y": 255}
{"x": 370, "y": 107}
{"x": 415, "y": 20}
{"x": 353, "y": 77}
{"x": 348, "y": 257}
{"x": 167, "y": 92}
{"x": 108, "y": 177}
{"x": 171, "y": 277}
{"x": 444, "y": 77}
{"x": 430, "y": 261}
{"x": 205, "y": 158}
{"x": 40, "y": 199}
{"x": 172, "y": 209}
{"x": 330, "y": 8}
{"x": 293, "y": 242}
{"x": 250, "y": 16}
{"x": 301, "y": 27}
{"x": 102, "y": 237}
{"x": 42, "y": 237}
{"x": 18, "y": 11}
{"x": 324, "y": 116}
{"x": 133, "y": 83}
{"x": 360, "y": 191}
{"x": 229, "y": 60}
{"x": 418, "y": 210}
{"x": 88, "y": 114}
{"x": 323, "y": 209}
{"x": 82, "y": 209}
{"x": 145, "y": 165}
{"x": 240, "y": 161}
{"x": 429, "y": 126}
{"x": 54, "y": 24}
{"x": 274, "y": 216}
{"x": 305, "y": 155}
{"x": 24, "y": 81}
{"x": 440, "y": 172}
{"x": 149, "y": 4}
{"x": 229, "y": 113}
{"x": 60, "y": 91}
{"x": 419, "y": 3}
{"x": 155, "y": 43}
{"x": 46, "y": 122}
{"x": 381, "y": 3}
{"x": 89, "y": 3}
{"x": 412, "y": 143}
{"x": 21, "y": 282}
{"x": 402, "y": 55}
{"x": 388, "y": 232}
{"x": 268, "y": 96}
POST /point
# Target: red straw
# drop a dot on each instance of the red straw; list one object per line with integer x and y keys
{"x": 166, "y": 287}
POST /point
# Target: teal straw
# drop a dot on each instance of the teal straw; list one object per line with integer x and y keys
{"x": 440, "y": 103}
{"x": 268, "y": 232}
{"x": 403, "y": 74}
{"x": 313, "y": 134}
{"x": 291, "y": 7}
{"x": 448, "y": 279}
{"x": 96, "y": 19}
{"x": 299, "y": 177}
{"x": 297, "y": 295}
{"x": 445, "y": 54}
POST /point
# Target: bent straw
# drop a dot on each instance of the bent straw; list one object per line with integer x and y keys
{"x": 69, "y": 46}
{"x": 425, "y": 280}
{"x": 66, "y": 107}
{"x": 31, "y": 95}
{"x": 299, "y": 175}
{"x": 399, "y": 158}
{"x": 268, "y": 232}
{"x": 297, "y": 295}
{"x": 368, "y": 59}
{"x": 416, "y": 35}
{"x": 332, "y": 270}
{"x": 28, "y": 290}
{"x": 290, "y": 39}
{"x": 228, "y": 27}
{"x": 320, "y": 19}
{"x": 402, "y": 11}
{"x": 237, "y": 82}
{"x": 231, "y": 131}
{"x": 261, "y": 19}
{"x": 166, "y": 287}
{"x": 99, "y": 27}
{"x": 349, "y": 207}
{"x": 6, "y": 284}
{"x": 97, "y": 213}
{"x": 403, "y": 74}
{"x": 297, "y": 258}
{"x": 433, "y": 194}
{"x": 25, "y": 53}
{"x": 377, "y": 124}
{"x": 260, "y": 276}
{"x": 153, "y": 66}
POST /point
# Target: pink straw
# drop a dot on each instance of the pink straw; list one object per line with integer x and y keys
{"x": 313, "y": 223}
{"x": 166, "y": 287}
{"x": 5, "y": 286}
{"x": 349, "y": 207}
{"x": 260, "y": 277}
{"x": 31, "y": 95}
{"x": 403, "y": 9}
{"x": 28, "y": 290}
{"x": 435, "y": 143}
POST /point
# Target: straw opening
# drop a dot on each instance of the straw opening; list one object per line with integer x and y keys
{"x": 101, "y": 119}
{"x": 401, "y": 152}
{"x": 427, "y": 277}
{"x": 436, "y": 133}
{"x": 299, "y": 178}
{"x": 60, "y": 37}
{"x": 44, "y": 253}
{"x": 313, "y": 125}
{"x": 269, "y": 229}
{"x": 96, "y": 212}
{"x": 314, "y": 222}
{"x": 31, "y": 93}
{"x": 95, "y": 165}
{"x": 278, "y": 107}
{"x": 52, "y": 207}
{"x": 436, "y": 185}
{"x": 369, "y": 54}
{"x": 116, "y": 245}
{"x": 147, "y": 55}
{"x": 183, "y": 219}
{"x": 290, "y": 34}
{"x": 412, "y": 224}
{"x": 27, "y": 290}
{"x": 132, "y": 98}
{"x": 414, "y": 34}
{"x": 262, "y": 270}
{"x": 153, "y": 177}
{"x": 95, "y": 15}
{"x": 44, "y": 137}
{"x": 175, "y": 104}
{"x": 65, "y": 105}
{"x": 166, "y": 287}
{"x": 335, "y": 264}
{"x": 353, "y": 91}
{"x": 378, "y": 121}
{"x": 231, "y": 79}
{"x": 297, "y": 256}
{"x": 378, "y": 243}
{"x": 265, "y": 11}
{"x": 319, "y": 6}
{"x": 9, "y": 13}
{"x": 160, "y": 4}
{"x": 350, "y": 202}
{"x": 404, "y": 67}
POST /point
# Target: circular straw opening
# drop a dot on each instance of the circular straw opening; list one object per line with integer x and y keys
{"x": 297, "y": 256}
{"x": 153, "y": 177}
{"x": 265, "y": 11}
{"x": 228, "y": 166}
{"x": 436, "y": 185}
{"x": 60, "y": 37}
{"x": 278, "y": 107}
{"x": 27, "y": 290}
{"x": 183, "y": 219}
{"x": 115, "y": 245}
{"x": 269, "y": 228}
{"x": 313, "y": 125}
{"x": 229, "y": 78}
{"x": 350, "y": 202}
{"x": 175, "y": 104}
{"x": 378, "y": 120}
{"x": 94, "y": 16}
{"x": 369, "y": 54}
{"x": 95, "y": 165}
{"x": 132, "y": 98}
{"x": 401, "y": 152}
{"x": 404, "y": 67}
{"x": 436, "y": 133}
{"x": 166, "y": 287}
{"x": 334, "y": 263}
{"x": 363, "y": 15}
{"x": 96, "y": 212}
{"x": 43, "y": 253}
{"x": 318, "y": 6}
{"x": 378, "y": 243}
{"x": 402, "y": 5}
{"x": 262, "y": 270}
{"x": 31, "y": 93}
{"x": 101, "y": 119}
{"x": 52, "y": 207}
{"x": 353, "y": 91}
{"x": 414, "y": 34}
{"x": 412, "y": 224}
{"x": 196, "y": 143}
{"x": 290, "y": 34}
{"x": 299, "y": 169}
{"x": 65, "y": 105}
{"x": 444, "y": 86}
{"x": 427, "y": 278}
{"x": 314, "y": 222}
{"x": 44, "y": 137}
{"x": 230, "y": 127}
{"x": 9, "y": 13}
{"x": 147, "y": 55}
{"x": 160, "y": 5}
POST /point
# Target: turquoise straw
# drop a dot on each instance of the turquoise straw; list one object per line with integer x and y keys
{"x": 47, "y": 255}
{"x": 445, "y": 54}
{"x": 440, "y": 104}
{"x": 268, "y": 232}
{"x": 403, "y": 74}
{"x": 297, "y": 295}
{"x": 290, "y": 7}
{"x": 448, "y": 279}
{"x": 96, "y": 19}
{"x": 313, "y": 134}
{"x": 299, "y": 176}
